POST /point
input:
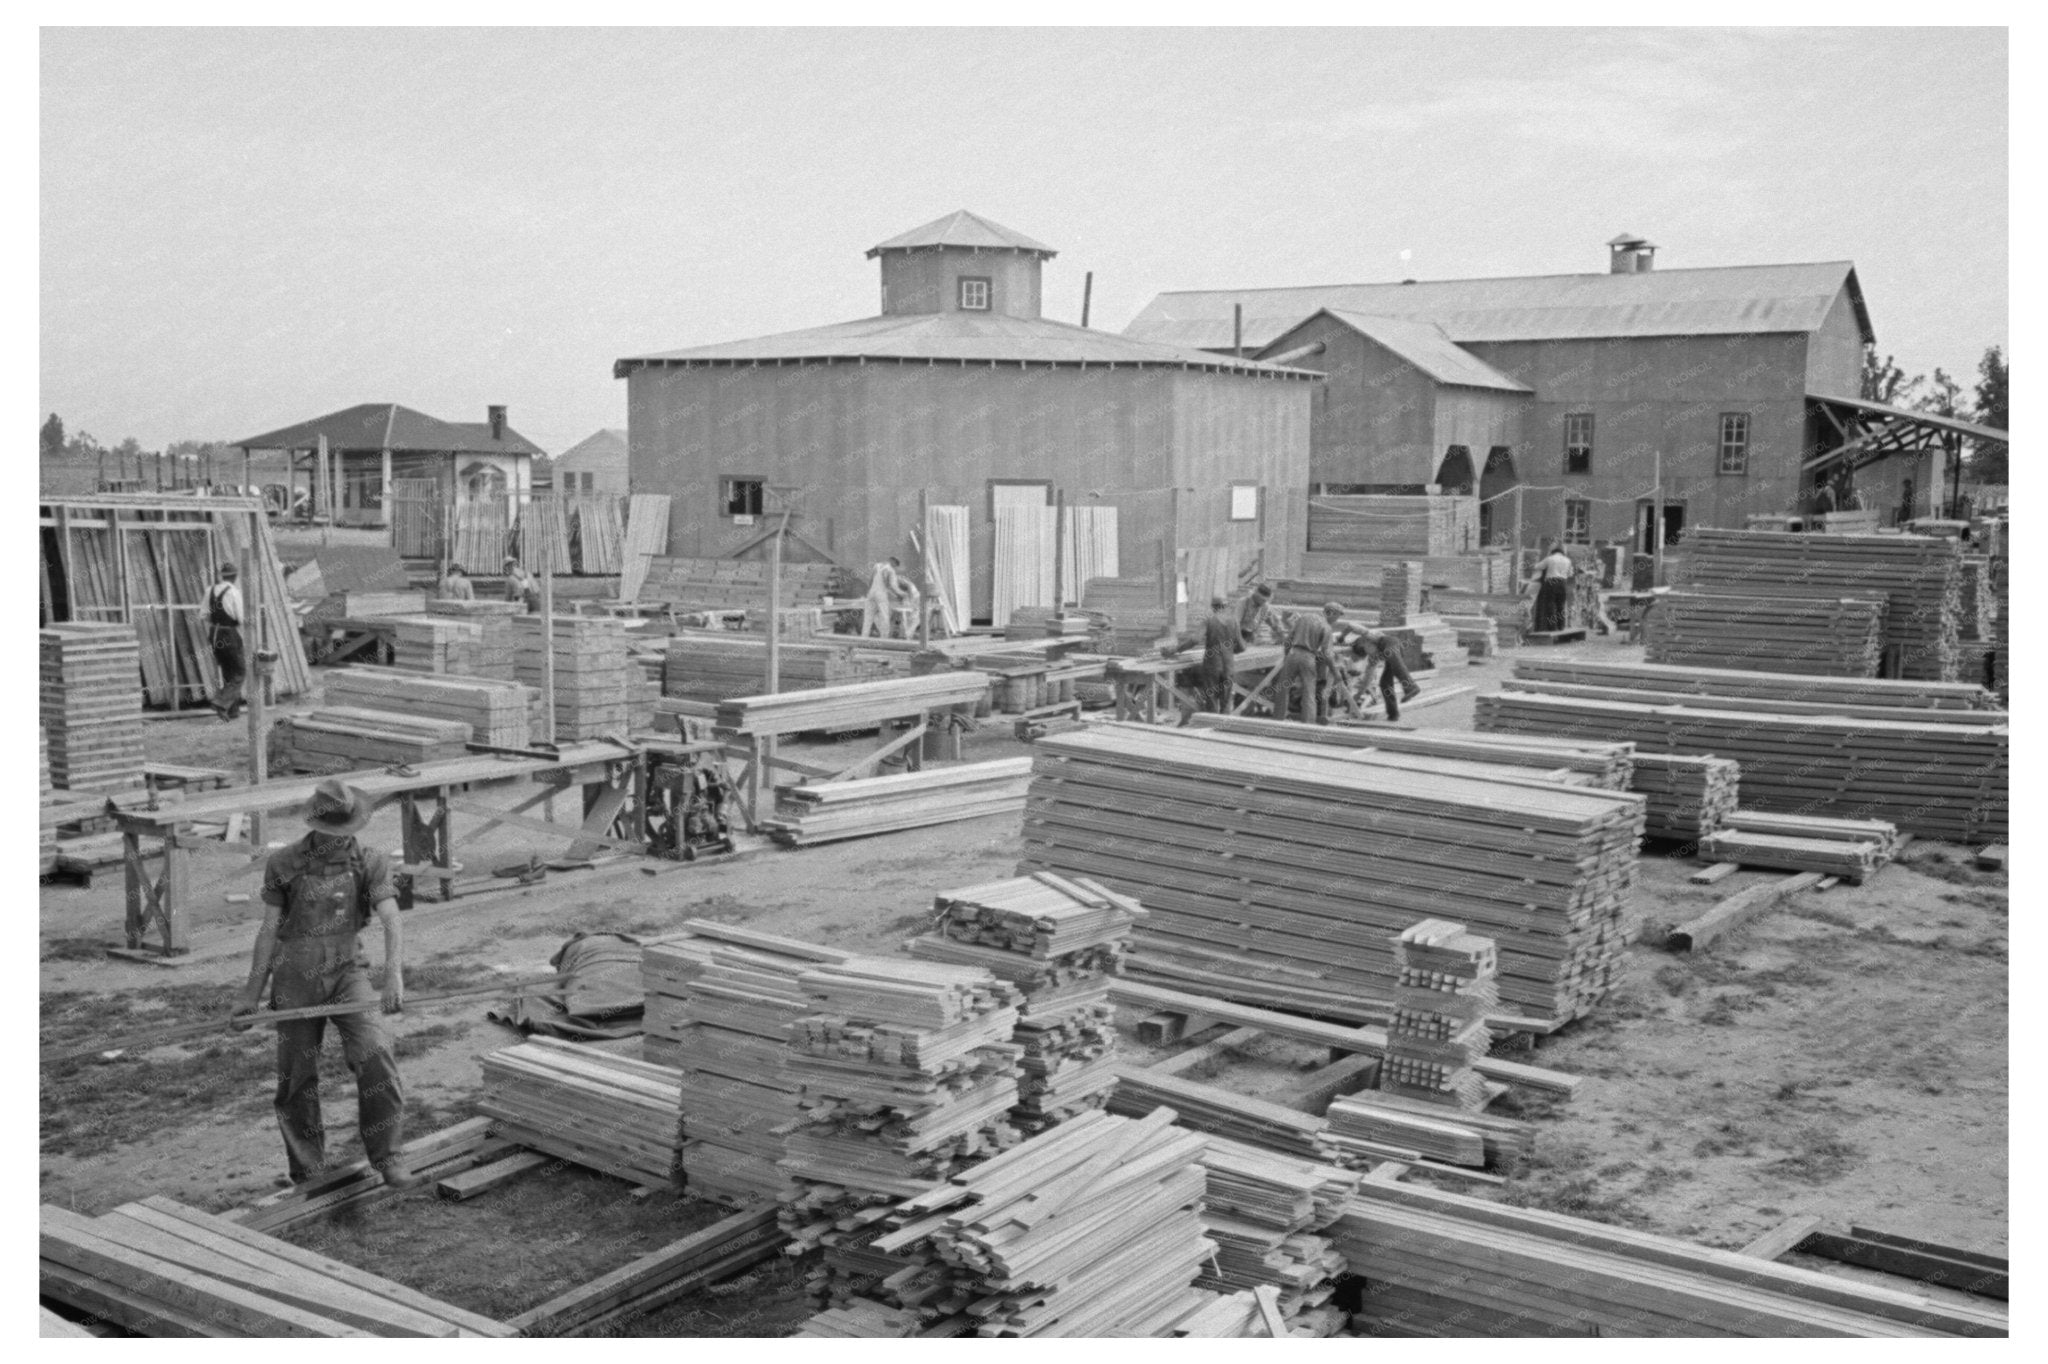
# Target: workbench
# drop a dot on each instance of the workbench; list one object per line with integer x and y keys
{"x": 158, "y": 844}
{"x": 1145, "y": 684}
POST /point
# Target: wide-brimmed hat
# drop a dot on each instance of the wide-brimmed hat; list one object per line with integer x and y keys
{"x": 229, "y": 571}
{"x": 337, "y": 808}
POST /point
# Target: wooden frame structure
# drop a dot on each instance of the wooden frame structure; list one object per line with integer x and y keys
{"x": 1142, "y": 686}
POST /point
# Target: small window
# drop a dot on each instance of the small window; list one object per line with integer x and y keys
{"x": 590, "y": 483}
{"x": 742, "y": 496}
{"x": 1578, "y": 443}
{"x": 1244, "y": 501}
{"x": 1578, "y": 521}
{"x": 974, "y": 291}
{"x": 1734, "y": 442}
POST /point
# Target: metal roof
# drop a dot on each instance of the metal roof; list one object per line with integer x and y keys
{"x": 604, "y": 445}
{"x": 957, "y": 337}
{"x": 1722, "y": 300}
{"x": 961, "y": 228}
{"x": 389, "y": 426}
{"x": 1914, "y": 417}
{"x": 1424, "y": 345}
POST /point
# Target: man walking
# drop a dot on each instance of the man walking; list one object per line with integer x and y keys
{"x": 318, "y": 894}
{"x": 886, "y": 588}
{"x": 224, "y": 635}
{"x": 1306, "y": 662}
{"x": 521, "y": 586}
{"x": 1553, "y": 578}
{"x": 1377, "y": 650}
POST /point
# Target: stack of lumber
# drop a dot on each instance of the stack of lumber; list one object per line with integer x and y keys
{"x": 591, "y": 672}
{"x": 483, "y": 528}
{"x": 490, "y": 653}
{"x": 1669, "y": 685}
{"x": 1215, "y": 1316}
{"x": 1090, "y": 1228}
{"x": 1828, "y": 636}
{"x": 46, "y": 846}
{"x": 1607, "y": 766}
{"x": 646, "y": 536}
{"x": 543, "y": 537}
{"x": 731, "y": 584}
{"x": 1135, "y": 610}
{"x": 497, "y": 713}
{"x": 435, "y": 644}
{"x": 1479, "y": 634}
{"x": 825, "y": 813}
{"x": 1278, "y": 877}
{"x": 658, "y": 1278}
{"x": 1224, "y": 1113}
{"x": 1264, "y": 1212}
{"x": 1428, "y": 642}
{"x": 2001, "y": 573}
{"x": 1431, "y": 524}
{"x": 857, "y": 705}
{"x": 1400, "y": 593}
{"x": 712, "y": 667}
{"x": 343, "y": 739}
{"x": 1946, "y": 781}
{"x": 1882, "y": 833}
{"x": 1920, "y": 577}
{"x": 720, "y": 1003}
{"x": 1043, "y": 622}
{"x": 1689, "y": 795}
{"x": 364, "y": 605}
{"x": 611, "y": 1113}
{"x": 597, "y": 533}
{"x": 158, "y": 1268}
{"x": 1443, "y": 1264}
{"x": 1853, "y": 862}
{"x": 1446, "y": 989}
{"x": 91, "y": 705}
{"x": 1059, "y": 941}
{"x": 1378, "y": 1125}
{"x": 1976, "y": 610}
{"x": 1368, "y": 755}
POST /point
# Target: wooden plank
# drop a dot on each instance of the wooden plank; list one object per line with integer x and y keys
{"x": 1782, "y": 1239}
{"x": 1975, "y": 1257}
{"x": 1313, "y": 1092}
{"x": 1959, "y": 1275}
{"x": 1991, "y": 858}
{"x": 461, "y": 1187}
{"x": 1736, "y": 910}
{"x": 1207, "y": 1051}
{"x": 1268, "y": 1298}
{"x": 1720, "y": 871}
{"x": 646, "y": 1272}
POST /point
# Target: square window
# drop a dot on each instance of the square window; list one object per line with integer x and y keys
{"x": 1578, "y": 443}
{"x": 742, "y": 496}
{"x": 974, "y": 293}
{"x": 1578, "y": 521}
{"x": 1734, "y": 442}
{"x": 1244, "y": 501}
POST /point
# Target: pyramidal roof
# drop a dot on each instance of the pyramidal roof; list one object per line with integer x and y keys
{"x": 961, "y": 228}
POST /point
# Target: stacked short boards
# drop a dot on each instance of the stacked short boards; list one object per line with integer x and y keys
{"x": 1281, "y": 878}
{"x": 91, "y": 705}
{"x": 1832, "y": 636}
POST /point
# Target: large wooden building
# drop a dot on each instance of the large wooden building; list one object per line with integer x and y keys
{"x": 959, "y": 391}
{"x": 1575, "y": 387}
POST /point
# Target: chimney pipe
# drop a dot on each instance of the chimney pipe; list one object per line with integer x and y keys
{"x": 497, "y": 416}
{"x": 1628, "y": 254}
{"x": 1087, "y": 294}
{"x": 1298, "y": 353}
{"x": 1237, "y": 330}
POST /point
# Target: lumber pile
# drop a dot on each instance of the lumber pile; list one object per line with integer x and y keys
{"x": 1882, "y": 833}
{"x": 657, "y": 1278}
{"x": 1059, "y": 941}
{"x": 2001, "y": 575}
{"x": 434, "y": 644}
{"x": 1224, "y": 1113}
{"x": 1829, "y": 636}
{"x": 497, "y": 713}
{"x": 1400, "y": 593}
{"x": 1480, "y": 635}
{"x": 344, "y": 739}
{"x": 90, "y": 705}
{"x": 1946, "y": 781}
{"x": 1853, "y": 862}
{"x": 592, "y": 672}
{"x": 1919, "y": 575}
{"x": 1433, "y": 524}
{"x": 1443, "y": 1264}
{"x": 1608, "y": 766}
{"x": 158, "y": 1268}
{"x": 731, "y": 584}
{"x": 825, "y": 813}
{"x": 1446, "y": 989}
{"x": 1135, "y": 612}
{"x": 646, "y": 536}
{"x": 1825, "y": 695}
{"x": 1266, "y": 1212}
{"x": 710, "y": 667}
{"x": 612, "y": 1113}
{"x": 1093, "y": 1227}
{"x": 452, "y": 1150}
{"x": 46, "y": 843}
{"x": 720, "y": 1003}
{"x": 597, "y": 533}
{"x": 1976, "y": 610}
{"x": 491, "y": 649}
{"x": 857, "y": 705}
{"x": 1689, "y": 795}
{"x": 360, "y": 604}
{"x": 1272, "y": 877}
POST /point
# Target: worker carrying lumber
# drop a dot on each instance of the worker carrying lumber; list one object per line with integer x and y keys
{"x": 521, "y": 586}
{"x": 1254, "y": 614}
{"x": 318, "y": 895}
{"x": 887, "y": 588}
{"x": 1307, "y": 664}
{"x": 1220, "y": 647}
{"x": 1376, "y": 651}
{"x": 224, "y": 637}
{"x": 1553, "y": 579}
{"x": 455, "y": 585}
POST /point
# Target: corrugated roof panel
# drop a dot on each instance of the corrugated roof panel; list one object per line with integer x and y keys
{"x": 1424, "y": 345}
{"x": 961, "y": 228}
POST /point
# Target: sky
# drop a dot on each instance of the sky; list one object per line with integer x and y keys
{"x": 242, "y": 228}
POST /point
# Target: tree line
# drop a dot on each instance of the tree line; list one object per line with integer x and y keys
{"x": 1987, "y": 404}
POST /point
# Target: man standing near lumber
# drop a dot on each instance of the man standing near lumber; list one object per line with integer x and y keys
{"x": 1254, "y": 613}
{"x": 1378, "y": 651}
{"x": 1220, "y": 647}
{"x": 1553, "y": 579}
{"x": 318, "y": 895}
{"x": 521, "y": 586}
{"x": 886, "y": 588}
{"x": 224, "y": 637}
{"x": 1306, "y": 663}
{"x": 455, "y": 585}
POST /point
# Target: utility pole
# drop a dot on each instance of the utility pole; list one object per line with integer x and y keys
{"x": 323, "y": 493}
{"x": 1517, "y": 565}
{"x": 1059, "y": 552}
{"x": 257, "y": 679}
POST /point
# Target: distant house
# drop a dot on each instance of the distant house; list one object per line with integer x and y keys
{"x": 389, "y": 465}
{"x": 595, "y": 464}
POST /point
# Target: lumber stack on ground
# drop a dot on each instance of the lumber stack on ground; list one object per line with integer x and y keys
{"x": 497, "y": 713}
{"x": 1919, "y": 575}
{"x": 1432, "y": 524}
{"x": 730, "y": 584}
{"x": 1093, "y": 1227}
{"x": 1445, "y": 991}
{"x": 1946, "y": 781}
{"x": 658, "y": 1277}
{"x": 1266, "y": 1213}
{"x": 612, "y": 1113}
{"x": 1689, "y": 795}
{"x": 1059, "y": 941}
{"x": 593, "y": 675}
{"x": 344, "y": 739}
{"x": 157, "y": 1268}
{"x": 1469, "y": 1266}
{"x": 434, "y": 644}
{"x": 1606, "y": 765}
{"x": 1829, "y": 636}
{"x": 720, "y": 1002}
{"x": 858, "y": 705}
{"x": 1136, "y": 615}
{"x": 491, "y": 651}
{"x": 712, "y": 667}
{"x": 46, "y": 843}
{"x": 1224, "y": 1113}
{"x": 90, "y": 705}
{"x": 1853, "y": 862}
{"x": 1400, "y": 593}
{"x": 1280, "y": 878}
{"x": 1859, "y": 694}
{"x": 827, "y": 812}
{"x": 1882, "y": 833}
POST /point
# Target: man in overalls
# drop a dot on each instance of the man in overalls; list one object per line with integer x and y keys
{"x": 224, "y": 637}
{"x": 318, "y": 894}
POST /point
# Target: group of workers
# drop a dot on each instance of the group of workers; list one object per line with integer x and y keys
{"x": 520, "y": 586}
{"x": 1324, "y": 661}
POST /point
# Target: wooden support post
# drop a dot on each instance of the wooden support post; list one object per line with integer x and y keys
{"x": 1657, "y": 521}
{"x": 924, "y": 566}
{"x": 547, "y": 655}
{"x": 1059, "y": 551}
{"x": 1517, "y": 569}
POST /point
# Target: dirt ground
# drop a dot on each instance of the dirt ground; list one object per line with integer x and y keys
{"x": 1844, "y": 1057}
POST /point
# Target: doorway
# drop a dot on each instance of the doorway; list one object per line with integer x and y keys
{"x": 1646, "y": 520}
{"x": 1495, "y": 509}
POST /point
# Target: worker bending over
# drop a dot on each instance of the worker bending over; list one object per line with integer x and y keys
{"x": 318, "y": 894}
{"x": 1254, "y": 614}
{"x": 1376, "y": 651}
{"x": 1308, "y": 662}
{"x": 1220, "y": 646}
{"x": 886, "y": 588}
